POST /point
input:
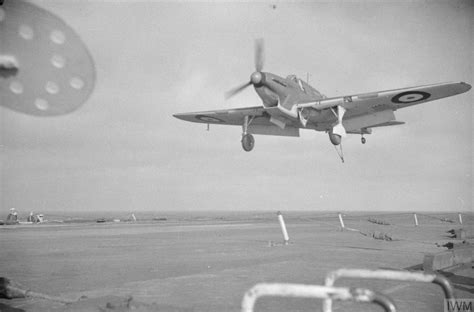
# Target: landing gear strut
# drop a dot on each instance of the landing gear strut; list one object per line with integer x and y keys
{"x": 338, "y": 131}
{"x": 248, "y": 142}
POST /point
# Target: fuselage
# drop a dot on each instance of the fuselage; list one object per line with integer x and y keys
{"x": 273, "y": 89}
{"x": 279, "y": 96}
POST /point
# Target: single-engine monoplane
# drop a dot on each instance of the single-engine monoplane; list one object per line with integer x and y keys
{"x": 291, "y": 104}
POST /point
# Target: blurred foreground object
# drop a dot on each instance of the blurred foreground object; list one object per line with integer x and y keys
{"x": 12, "y": 290}
{"x": 45, "y": 68}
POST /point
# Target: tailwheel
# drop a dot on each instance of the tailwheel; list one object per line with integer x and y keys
{"x": 363, "y": 140}
{"x": 248, "y": 142}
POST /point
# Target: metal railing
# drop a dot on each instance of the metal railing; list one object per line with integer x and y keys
{"x": 440, "y": 280}
{"x": 314, "y": 291}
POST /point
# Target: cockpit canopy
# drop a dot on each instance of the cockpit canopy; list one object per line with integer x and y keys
{"x": 293, "y": 78}
{"x": 305, "y": 86}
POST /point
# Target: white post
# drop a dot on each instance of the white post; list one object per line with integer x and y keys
{"x": 460, "y": 218}
{"x": 283, "y": 228}
{"x": 133, "y": 217}
{"x": 342, "y": 222}
{"x": 416, "y": 219}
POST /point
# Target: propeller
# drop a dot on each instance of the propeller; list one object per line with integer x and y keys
{"x": 236, "y": 90}
{"x": 257, "y": 76}
{"x": 259, "y": 54}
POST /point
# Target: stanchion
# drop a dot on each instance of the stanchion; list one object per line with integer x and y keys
{"x": 341, "y": 221}
{"x": 283, "y": 228}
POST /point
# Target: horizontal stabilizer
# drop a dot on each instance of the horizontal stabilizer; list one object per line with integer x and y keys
{"x": 389, "y": 123}
{"x": 361, "y": 131}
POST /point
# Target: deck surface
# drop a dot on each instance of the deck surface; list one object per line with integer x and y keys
{"x": 207, "y": 265}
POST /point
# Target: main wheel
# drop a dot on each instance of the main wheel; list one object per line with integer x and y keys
{"x": 248, "y": 142}
{"x": 363, "y": 140}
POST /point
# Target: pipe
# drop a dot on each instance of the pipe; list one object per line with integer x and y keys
{"x": 446, "y": 285}
{"x": 440, "y": 280}
{"x": 385, "y": 302}
{"x": 314, "y": 291}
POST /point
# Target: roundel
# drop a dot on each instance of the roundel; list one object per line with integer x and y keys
{"x": 410, "y": 97}
{"x": 208, "y": 118}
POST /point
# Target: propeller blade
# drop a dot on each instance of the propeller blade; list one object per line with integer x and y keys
{"x": 236, "y": 90}
{"x": 259, "y": 59}
{"x": 259, "y": 54}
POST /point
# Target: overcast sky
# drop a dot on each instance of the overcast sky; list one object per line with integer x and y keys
{"x": 124, "y": 151}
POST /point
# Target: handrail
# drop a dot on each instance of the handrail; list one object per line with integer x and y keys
{"x": 440, "y": 280}
{"x": 314, "y": 291}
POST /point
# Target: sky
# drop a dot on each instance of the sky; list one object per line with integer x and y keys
{"x": 124, "y": 151}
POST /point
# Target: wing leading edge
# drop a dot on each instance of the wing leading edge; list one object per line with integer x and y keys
{"x": 393, "y": 99}
{"x": 374, "y": 108}
{"x": 260, "y": 120}
{"x": 225, "y": 116}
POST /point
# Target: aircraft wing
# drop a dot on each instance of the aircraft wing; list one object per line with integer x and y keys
{"x": 260, "y": 120}
{"x": 368, "y": 129}
{"x": 367, "y": 110}
{"x": 233, "y": 116}
{"x": 376, "y": 109}
{"x": 391, "y": 99}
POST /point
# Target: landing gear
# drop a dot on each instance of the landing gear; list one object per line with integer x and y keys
{"x": 248, "y": 142}
{"x": 363, "y": 140}
{"x": 338, "y": 131}
{"x": 336, "y": 140}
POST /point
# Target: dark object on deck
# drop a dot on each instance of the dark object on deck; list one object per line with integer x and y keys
{"x": 463, "y": 233}
{"x": 376, "y": 221}
{"x": 448, "y": 245}
{"x": 381, "y": 236}
{"x": 446, "y": 220}
{"x": 451, "y": 245}
{"x": 12, "y": 217}
{"x": 378, "y": 235}
{"x": 160, "y": 219}
{"x": 101, "y": 220}
{"x": 452, "y": 233}
{"x": 129, "y": 304}
{"x": 12, "y": 290}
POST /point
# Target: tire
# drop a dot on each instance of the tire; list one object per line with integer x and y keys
{"x": 248, "y": 142}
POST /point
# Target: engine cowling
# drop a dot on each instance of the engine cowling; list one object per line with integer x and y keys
{"x": 269, "y": 98}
